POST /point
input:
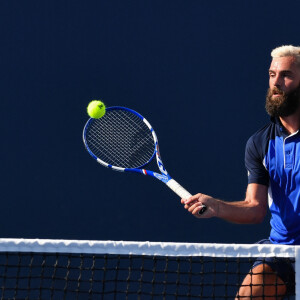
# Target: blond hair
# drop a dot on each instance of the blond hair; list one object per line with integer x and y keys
{"x": 287, "y": 50}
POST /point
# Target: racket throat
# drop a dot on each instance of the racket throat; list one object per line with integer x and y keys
{"x": 161, "y": 177}
{"x": 161, "y": 166}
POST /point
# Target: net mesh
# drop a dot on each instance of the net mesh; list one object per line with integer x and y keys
{"x": 194, "y": 273}
{"x": 120, "y": 138}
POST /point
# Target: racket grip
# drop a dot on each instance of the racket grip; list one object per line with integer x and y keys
{"x": 178, "y": 189}
{"x": 182, "y": 192}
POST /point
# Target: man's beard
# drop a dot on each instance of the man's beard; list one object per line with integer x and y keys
{"x": 283, "y": 105}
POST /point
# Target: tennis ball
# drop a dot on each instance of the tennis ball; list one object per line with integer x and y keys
{"x": 96, "y": 109}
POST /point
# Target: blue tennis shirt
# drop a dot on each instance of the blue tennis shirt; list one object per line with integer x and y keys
{"x": 272, "y": 158}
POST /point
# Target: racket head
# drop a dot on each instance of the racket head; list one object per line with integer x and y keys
{"x": 122, "y": 139}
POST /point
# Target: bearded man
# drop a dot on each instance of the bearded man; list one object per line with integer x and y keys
{"x": 272, "y": 159}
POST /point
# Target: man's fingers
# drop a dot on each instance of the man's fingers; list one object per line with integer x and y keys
{"x": 183, "y": 201}
{"x": 196, "y": 206}
{"x": 191, "y": 199}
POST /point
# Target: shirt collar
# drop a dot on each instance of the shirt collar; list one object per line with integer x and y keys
{"x": 281, "y": 128}
{"x": 279, "y": 125}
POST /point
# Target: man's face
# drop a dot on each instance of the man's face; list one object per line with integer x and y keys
{"x": 283, "y": 97}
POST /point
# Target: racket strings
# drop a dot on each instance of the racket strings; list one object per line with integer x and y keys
{"x": 120, "y": 138}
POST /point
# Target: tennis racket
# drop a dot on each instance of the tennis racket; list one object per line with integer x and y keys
{"x": 123, "y": 140}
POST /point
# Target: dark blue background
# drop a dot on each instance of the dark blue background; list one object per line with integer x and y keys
{"x": 197, "y": 70}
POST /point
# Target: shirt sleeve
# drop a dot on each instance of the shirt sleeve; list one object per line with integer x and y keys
{"x": 254, "y": 162}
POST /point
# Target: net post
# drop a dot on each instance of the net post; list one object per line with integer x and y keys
{"x": 297, "y": 272}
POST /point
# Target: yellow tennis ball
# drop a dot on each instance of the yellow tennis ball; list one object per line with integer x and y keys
{"x": 96, "y": 109}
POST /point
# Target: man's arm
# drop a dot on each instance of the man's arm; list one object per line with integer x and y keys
{"x": 250, "y": 211}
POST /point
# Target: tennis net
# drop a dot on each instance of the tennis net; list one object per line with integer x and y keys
{"x": 68, "y": 269}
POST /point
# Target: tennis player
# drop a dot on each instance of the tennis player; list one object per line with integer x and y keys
{"x": 272, "y": 159}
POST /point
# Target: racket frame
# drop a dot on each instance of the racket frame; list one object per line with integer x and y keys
{"x": 163, "y": 176}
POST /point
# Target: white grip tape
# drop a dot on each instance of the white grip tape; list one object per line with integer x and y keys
{"x": 178, "y": 189}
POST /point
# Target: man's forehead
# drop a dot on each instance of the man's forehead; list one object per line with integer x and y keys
{"x": 284, "y": 63}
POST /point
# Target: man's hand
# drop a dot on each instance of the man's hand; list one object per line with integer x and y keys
{"x": 194, "y": 205}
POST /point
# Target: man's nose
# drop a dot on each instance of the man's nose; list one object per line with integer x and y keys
{"x": 277, "y": 82}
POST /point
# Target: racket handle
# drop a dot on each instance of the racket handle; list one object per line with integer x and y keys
{"x": 182, "y": 192}
{"x": 178, "y": 189}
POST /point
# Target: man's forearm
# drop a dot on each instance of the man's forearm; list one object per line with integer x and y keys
{"x": 240, "y": 212}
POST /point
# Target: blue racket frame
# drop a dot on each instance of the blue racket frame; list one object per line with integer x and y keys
{"x": 163, "y": 176}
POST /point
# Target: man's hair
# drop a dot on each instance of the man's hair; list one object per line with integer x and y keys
{"x": 288, "y": 50}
